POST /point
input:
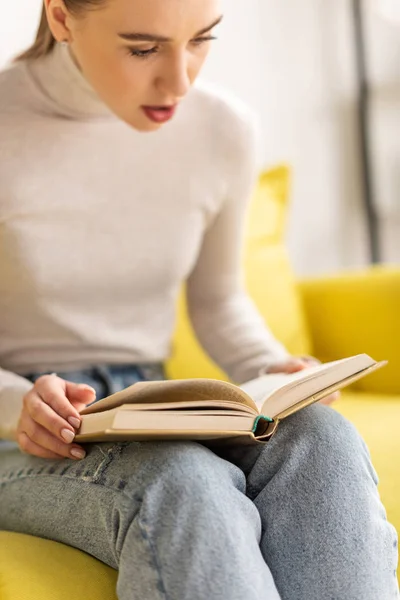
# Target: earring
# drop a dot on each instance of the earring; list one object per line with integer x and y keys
{"x": 64, "y": 42}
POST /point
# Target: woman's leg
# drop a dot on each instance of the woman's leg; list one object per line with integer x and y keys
{"x": 325, "y": 535}
{"x": 172, "y": 517}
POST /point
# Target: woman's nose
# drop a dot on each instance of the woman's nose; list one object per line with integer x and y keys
{"x": 175, "y": 80}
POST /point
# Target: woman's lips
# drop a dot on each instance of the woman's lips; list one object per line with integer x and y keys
{"x": 159, "y": 114}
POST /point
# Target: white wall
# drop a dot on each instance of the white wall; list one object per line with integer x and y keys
{"x": 385, "y": 73}
{"x": 18, "y": 22}
{"x": 294, "y": 63}
{"x": 298, "y": 70}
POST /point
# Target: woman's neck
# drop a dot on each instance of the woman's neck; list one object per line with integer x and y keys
{"x": 61, "y": 81}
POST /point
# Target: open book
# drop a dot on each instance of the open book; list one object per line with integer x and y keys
{"x": 209, "y": 409}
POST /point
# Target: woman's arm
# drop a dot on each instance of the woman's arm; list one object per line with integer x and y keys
{"x": 13, "y": 388}
{"x": 225, "y": 319}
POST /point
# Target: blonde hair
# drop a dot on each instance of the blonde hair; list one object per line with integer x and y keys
{"x": 45, "y": 42}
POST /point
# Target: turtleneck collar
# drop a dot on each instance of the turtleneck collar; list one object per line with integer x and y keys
{"x": 65, "y": 87}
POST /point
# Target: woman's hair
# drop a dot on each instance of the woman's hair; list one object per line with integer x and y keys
{"x": 45, "y": 41}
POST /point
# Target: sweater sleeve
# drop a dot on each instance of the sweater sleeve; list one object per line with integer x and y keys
{"x": 13, "y": 388}
{"x": 225, "y": 319}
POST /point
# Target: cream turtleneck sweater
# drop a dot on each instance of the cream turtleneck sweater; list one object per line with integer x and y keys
{"x": 100, "y": 224}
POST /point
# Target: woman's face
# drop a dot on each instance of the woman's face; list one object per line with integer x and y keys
{"x": 130, "y": 72}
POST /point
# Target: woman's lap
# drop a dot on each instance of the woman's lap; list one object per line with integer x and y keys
{"x": 78, "y": 502}
{"x": 32, "y": 488}
{"x": 68, "y": 500}
{"x": 84, "y": 503}
{"x": 49, "y": 498}
{"x": 71, "y": 501}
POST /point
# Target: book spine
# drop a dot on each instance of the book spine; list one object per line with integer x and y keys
{"x": 257, "y": 420}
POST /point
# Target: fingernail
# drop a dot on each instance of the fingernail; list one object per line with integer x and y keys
{"x": 67, "y": 435}
{"x": 83, "y": 386}
{"x": 74, "y": 422}
{"x": 78, "y": 453}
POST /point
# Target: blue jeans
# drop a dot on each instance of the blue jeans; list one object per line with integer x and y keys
{"x": 297, "y": 519}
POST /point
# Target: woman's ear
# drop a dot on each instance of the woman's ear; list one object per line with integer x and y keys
{"x": 58, "y": 18}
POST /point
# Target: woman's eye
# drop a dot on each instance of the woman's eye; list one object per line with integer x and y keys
{"x": 200, "y": 41}
{"x": 146, "y": 53}
{"x": 143, "y": 53}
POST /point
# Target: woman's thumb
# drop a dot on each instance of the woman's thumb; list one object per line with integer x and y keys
{"x": 295, "y": 364}
{"x": 80, "y": 392}
{"x": 288, "y": 366}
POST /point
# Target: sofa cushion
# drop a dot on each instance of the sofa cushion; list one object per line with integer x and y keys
{"x": 269, "y": 279}
{"x": 33, "y": 568}
{"x": 357, "y": 311}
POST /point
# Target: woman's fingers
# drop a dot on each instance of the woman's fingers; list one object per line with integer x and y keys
{"x": 79, "y": 394}
{"x": 51, "y": 389}
{"x": 48, "y": 421}
{"x": 43, "y": 413}
{"x": 47, "y": 441}
{"x": 29, "y": 447}
{"x": 330, "y": 399}
{"x": 45, "y": 427}
{"x": 290, "y": 365}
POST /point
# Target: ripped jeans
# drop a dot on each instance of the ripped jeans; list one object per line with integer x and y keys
{"x": 297, "y": 519}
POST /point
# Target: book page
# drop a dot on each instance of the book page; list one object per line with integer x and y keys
{"x": 294, "y": 407}
{"x": 184, "y": 391}
{"x": 278, "y": 391}
{"x": 182, "y": 421}
{"x": 198, "y": 406}
{"x": 263, "y": 387}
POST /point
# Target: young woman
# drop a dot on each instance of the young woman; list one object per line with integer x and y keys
{"x": 120, "y": 179}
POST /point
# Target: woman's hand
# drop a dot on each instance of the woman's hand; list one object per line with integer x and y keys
{"x": 298, "y": 363}
{"x": 50, "y": 416}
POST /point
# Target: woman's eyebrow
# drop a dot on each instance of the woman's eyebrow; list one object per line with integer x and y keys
{"x": 149, "y": 37}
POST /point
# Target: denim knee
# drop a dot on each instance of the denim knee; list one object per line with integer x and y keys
{"x": 188, "y": 465}
{"x": 330, "y": 433}
{"x": 163, "y": 475}
{"x": 323, "y": 423}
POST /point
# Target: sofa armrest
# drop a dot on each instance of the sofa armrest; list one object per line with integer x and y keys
{"x": 357, "y": 312}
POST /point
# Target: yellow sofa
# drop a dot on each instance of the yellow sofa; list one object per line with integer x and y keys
{"x": 331, "y": 318}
